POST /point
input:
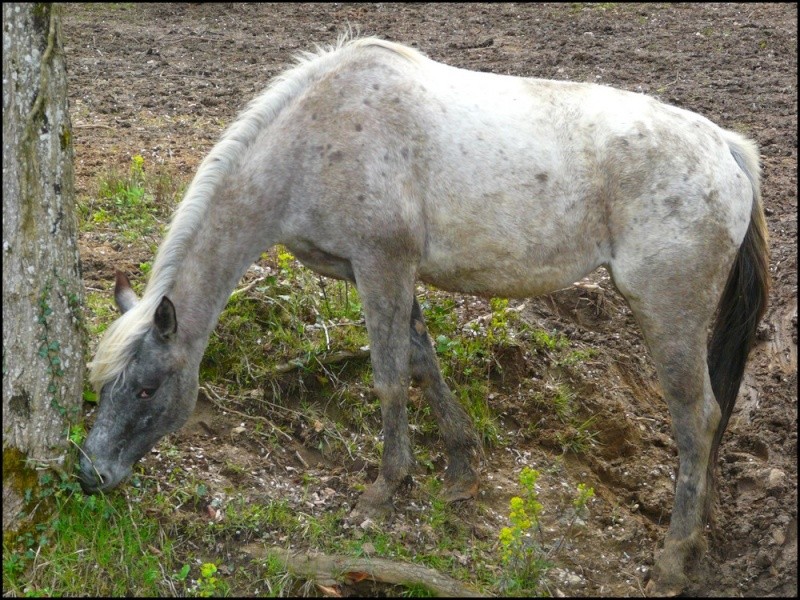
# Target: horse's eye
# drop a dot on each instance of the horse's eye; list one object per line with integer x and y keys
{"x": 146, "y": 393}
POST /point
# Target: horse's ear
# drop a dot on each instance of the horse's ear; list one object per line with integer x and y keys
{"x": 165, "y": 320}
{"x": 124, "y": 295}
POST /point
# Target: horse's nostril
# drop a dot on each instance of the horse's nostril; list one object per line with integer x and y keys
{"x": 92, "y": 478}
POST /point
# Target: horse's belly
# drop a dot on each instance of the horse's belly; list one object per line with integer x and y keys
{"x": 510, "y": 274}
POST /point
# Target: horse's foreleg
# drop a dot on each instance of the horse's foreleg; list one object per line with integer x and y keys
{"x": 386, "y": 292}
{"x": 461, "y": 443}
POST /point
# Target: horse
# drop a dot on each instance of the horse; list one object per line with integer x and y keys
{"x": 376, "y": 165}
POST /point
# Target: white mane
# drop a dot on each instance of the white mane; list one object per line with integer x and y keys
{"x": 117, "y": 346}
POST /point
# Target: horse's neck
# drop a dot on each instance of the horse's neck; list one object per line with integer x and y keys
{"x": 233, "y": 233}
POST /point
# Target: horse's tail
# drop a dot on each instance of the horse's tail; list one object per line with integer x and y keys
{"x": 743, "y": 302}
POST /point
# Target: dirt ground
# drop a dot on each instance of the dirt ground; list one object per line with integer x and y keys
{"x": 163, "y": 80}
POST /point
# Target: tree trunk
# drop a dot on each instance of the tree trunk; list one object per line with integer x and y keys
{"x": 43, "y": 334}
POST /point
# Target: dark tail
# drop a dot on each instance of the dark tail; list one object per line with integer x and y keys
{"x": 743, "y": 302}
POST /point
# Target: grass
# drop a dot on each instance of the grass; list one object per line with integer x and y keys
{"x": 267, "y": 357}
{"x": 131, "y": 204}
{"x": 94, "y": 546}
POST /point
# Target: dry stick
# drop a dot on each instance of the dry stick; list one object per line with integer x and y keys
{"x": 326, "y": 568}
{"x": 93, "y": 126}
{"x": 323, "y": 360}
{"x": 241, "y": 414}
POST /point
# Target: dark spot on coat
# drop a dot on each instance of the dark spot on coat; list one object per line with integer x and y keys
{"x": 366, "y": 102}
{"x": 361, "y": 197}
{"x": 396, "y": 99}
{"x": 336, "y": 155}
{"x": 375, "y": 86}
{"x": 404, "y": 152}
{"x": 313, "y": 116}
{"x": 542, "y": 177}
{"x": 358, "y": 127}
{"x": 711, "y": 197}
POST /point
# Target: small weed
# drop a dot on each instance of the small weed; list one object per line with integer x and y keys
{"x": 577, "y": 357}
{"x": 562, "y": 401}
{"x": 578, "y": 439}
{"x": 524, "y": 557}
{"x": 548, "y": 341}
{"x": 521, "y": 554}
{"x": 208, "y": 584}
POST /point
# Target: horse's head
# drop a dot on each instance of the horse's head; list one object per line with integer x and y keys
{"x": 153, "y": 395}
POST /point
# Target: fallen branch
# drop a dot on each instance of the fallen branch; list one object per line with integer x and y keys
{"x": 328, "y": 359}
{"x": 330, "y": 569}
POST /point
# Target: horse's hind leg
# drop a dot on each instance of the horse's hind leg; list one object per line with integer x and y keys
{"x": 461, "y": 443}
{"x": 673, "y": 310}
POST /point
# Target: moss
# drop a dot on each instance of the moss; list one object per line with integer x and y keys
{"x": 19, "y": 477}
{"x": 66, "y": 137}
{"x": 41, "y": 15}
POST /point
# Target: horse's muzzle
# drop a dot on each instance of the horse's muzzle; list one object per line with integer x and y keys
{"x": 97, "y": 477}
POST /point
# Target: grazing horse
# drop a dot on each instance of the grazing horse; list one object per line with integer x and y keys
{"x": 374, "y": 164}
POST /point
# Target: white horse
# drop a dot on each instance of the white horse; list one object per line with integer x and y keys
{"x": 374, "y": 164}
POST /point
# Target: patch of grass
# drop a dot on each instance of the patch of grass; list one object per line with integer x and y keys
{"x": 550, "y": 342}
{"x": 95, "y": 545}
{"x": 101, "y": 312}
{"x": 289, "y": 316}
{"x": 279, "y": 583}
{"x": 578, "y": 438}
{"x": 474, "y": 398}
{"x": 577, "y": 7}
{"x": 562, "y": 401}
{"x": 576, "y": 357}
{"x": 132, "y": 204}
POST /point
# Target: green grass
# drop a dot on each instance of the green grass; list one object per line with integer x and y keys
{"x": 578, "y": 438}
{"x": 132, "y": 204}
{"x": 94, "y": 545}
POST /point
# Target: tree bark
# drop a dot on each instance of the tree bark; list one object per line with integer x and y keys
{"x": 43, "y": 333}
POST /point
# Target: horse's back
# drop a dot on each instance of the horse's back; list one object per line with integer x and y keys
{"x": 499, "y": 184}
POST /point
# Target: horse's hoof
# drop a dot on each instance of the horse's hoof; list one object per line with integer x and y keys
{"x": 374, "y": 504}
{"x": 665, "y": 584}
{"x": 463, "y": 489}
{"x": 368, "y": 513}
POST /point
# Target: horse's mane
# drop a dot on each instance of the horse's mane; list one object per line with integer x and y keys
{"x": 119, "y": 342}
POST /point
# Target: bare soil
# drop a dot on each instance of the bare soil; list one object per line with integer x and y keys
{"x": 162, "y": 80}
